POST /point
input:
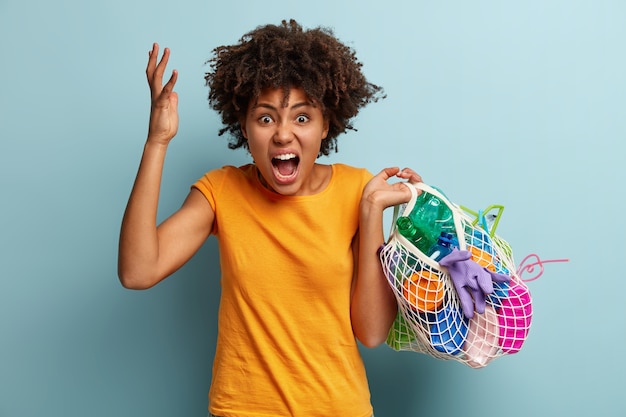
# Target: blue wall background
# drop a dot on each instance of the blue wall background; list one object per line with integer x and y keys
{"x": 518, "y": 103}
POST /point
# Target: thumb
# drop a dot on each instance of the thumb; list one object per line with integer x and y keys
{"x": 496, "y": 277}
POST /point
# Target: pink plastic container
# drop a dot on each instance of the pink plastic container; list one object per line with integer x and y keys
{"x": 514, "y": 318}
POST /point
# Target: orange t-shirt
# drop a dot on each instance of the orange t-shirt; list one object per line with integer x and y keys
{"x": 285, "y": 343}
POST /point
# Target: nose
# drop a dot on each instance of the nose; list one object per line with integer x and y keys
{"x": 284, "y": 133}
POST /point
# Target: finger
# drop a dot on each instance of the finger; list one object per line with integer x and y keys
{"x": 152, "y": 56}
{"x": 480, "y": 301}
{"x": 484, "y": 281}
{"x": 160, "y": 68}
{"x": 167, "y": 88}
{"x": 501, "y": 278}
{"x": 467, "y": 303}
{"x": 388, "y": 172}
{"x": 410, "y": 175}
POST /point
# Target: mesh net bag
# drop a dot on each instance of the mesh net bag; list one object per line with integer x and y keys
{"x": 459, "y": 295}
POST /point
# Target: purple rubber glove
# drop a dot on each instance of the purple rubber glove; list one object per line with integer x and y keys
{"x": 472, "y": 281}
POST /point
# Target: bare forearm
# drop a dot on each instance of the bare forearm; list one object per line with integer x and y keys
{"x": 138, "y": 250}
{"x": 373, "y": 303}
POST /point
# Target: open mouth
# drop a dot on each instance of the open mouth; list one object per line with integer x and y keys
{"x": 285, "y": 166}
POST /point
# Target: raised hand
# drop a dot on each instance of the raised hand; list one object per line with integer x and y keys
{"x": 164, "y": 109}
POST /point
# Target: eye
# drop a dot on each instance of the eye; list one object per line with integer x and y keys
{"x": 302, "y": 118}
{"x": 265, "y": 119}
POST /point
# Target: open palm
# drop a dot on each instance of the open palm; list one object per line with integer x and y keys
{"x": 164, "y": 110}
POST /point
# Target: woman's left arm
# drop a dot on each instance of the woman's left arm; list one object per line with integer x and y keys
{"x": 373, "y": 307}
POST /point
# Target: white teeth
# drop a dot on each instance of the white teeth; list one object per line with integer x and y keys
{"x": 285, "y": 157}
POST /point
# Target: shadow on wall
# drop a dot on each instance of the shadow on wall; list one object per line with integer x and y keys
{"x": 399, "y": 380}
{"x": 167, "y": 349}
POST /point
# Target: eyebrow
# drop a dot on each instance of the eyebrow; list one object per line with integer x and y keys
{"x": 271, "y": 107}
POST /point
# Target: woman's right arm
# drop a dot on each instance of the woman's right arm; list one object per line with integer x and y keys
{"x": 147, "y": 253}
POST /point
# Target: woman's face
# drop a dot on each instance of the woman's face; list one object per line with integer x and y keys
{"x": 285, "y": 140}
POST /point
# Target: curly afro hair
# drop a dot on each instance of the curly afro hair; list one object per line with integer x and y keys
{"x": 287, "y": 56}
